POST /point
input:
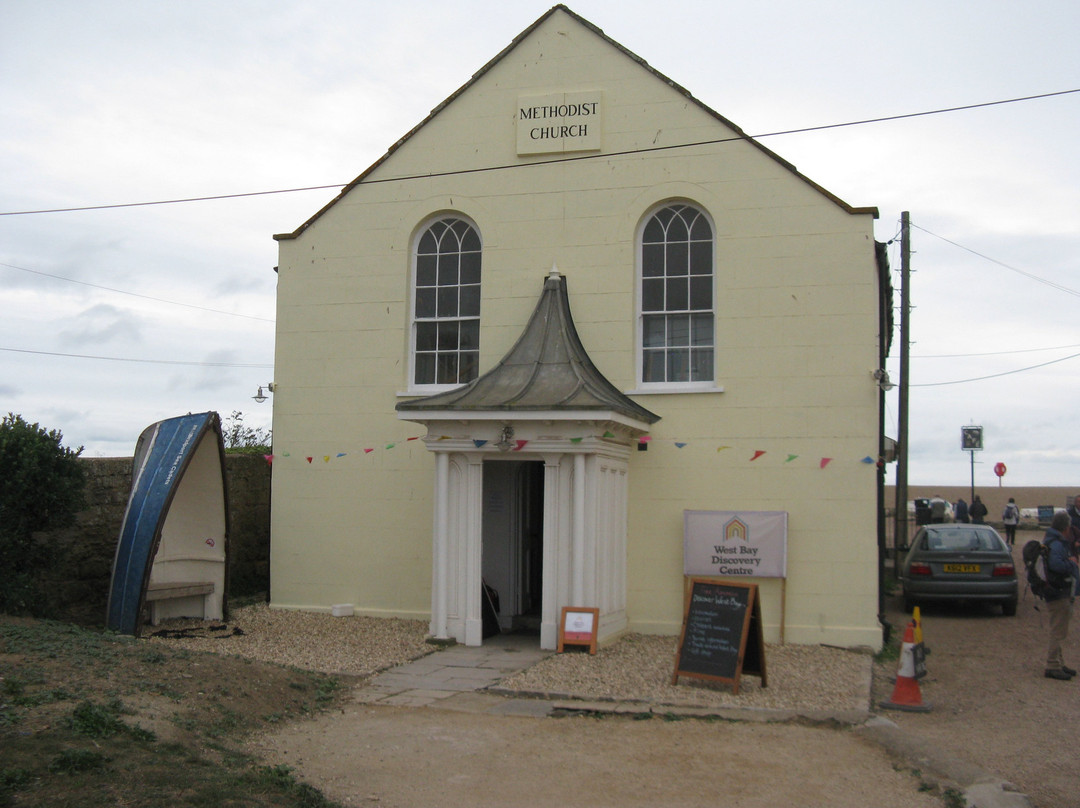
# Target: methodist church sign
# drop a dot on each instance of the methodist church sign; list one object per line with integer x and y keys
{"x": 561, "y": 122}
{"x": 746, "y": 544}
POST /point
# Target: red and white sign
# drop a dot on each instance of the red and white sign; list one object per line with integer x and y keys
{"x": 744, "y": 544}
{"x": 999, "y": 469}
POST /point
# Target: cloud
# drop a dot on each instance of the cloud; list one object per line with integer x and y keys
{"x": 102, "y": 324}
{"x": 127, "y": 102}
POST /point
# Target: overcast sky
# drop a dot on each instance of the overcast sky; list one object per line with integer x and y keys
{"x": 117, "y": 318}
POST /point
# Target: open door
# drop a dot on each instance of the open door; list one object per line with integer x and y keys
{"x": 513, "y": 540}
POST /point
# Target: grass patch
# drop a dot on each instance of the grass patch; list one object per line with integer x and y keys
{"x": 890, "y": 651}
{"x": 72, "y": 761}
{"x": 75, "y": 705}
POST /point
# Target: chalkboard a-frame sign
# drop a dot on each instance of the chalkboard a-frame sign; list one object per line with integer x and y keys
{"x": 721, "y": 633}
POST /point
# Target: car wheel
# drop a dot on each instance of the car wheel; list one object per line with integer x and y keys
{"x": 1008, "y": 609}
{"x": 909, "y": 604}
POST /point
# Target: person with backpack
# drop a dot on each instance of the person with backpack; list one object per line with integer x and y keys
{"x": 1010, "y": 517}
{"x": 1062, "y": 575}
{"x": 937, "y": 510}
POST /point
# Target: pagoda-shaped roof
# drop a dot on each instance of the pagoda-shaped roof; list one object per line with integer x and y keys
{"x": 547, "y": 369}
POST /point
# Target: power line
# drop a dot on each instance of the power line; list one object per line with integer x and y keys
{"x": 576, "y": 158}
{"x": 147, "y": 361}
{"x": 1051, "y": 284}
{"x": 922, "y": 114}
{"x": 135, "y": 294}
{"x": 997, "y": 375}
{"x": 995, "y": 353}
{"x": 174, "y": 201}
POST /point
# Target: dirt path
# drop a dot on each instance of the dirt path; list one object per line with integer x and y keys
{"x": 990, "y": 706}
{"x": 990, "y": 702}
{"x": 423, "y": 758}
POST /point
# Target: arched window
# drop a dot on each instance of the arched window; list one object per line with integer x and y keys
{"x": 676, "y": 327}
{"x": 446, "y": 304}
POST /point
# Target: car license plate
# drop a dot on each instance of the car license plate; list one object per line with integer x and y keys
{"x": 961, "y": 568}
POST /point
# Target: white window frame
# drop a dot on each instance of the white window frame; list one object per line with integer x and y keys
{"x": 643, "y": 387}
{"x": 412, "y": 386}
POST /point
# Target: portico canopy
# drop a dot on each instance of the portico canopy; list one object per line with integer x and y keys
{"x": 568, "y": 417}
{"x": 547, "y": 370}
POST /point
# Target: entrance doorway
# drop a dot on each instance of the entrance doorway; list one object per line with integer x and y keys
{"x": 512, "y": 552}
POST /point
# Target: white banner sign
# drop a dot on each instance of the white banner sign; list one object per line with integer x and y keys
{"x": 748, "y": 544}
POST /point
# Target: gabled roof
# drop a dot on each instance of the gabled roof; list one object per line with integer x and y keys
{"x": 517, "y": 40}
{"x": 547, "y": 370}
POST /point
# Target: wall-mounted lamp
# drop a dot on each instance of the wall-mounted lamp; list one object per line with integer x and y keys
{"x": 881, "y": 376}
{"x": 504, "y": 443}
{"x": 260, "y": 397}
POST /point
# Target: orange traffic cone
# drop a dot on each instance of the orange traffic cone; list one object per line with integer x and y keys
{"x": 906, "y": 695}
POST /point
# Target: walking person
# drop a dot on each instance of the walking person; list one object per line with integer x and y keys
{"x": 977, "y": 511}
{"x": 1074, "y": 516}
{"x": 960, "y": 511}
{"x": 1063, "y": 576}
{"x": 1010, "y": 517}
{"x": 937, "y": 510}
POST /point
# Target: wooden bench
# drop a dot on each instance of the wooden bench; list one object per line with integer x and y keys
{"x": 172, "y": 590}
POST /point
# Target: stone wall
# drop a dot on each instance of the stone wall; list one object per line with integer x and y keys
{"x": 994, "y": 496}
{"x": 77, "y": 585}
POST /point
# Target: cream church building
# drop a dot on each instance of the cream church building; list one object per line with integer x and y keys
{"x": 570, "y": 308}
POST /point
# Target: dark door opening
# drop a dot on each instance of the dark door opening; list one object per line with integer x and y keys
{"x": 512, "y": 556}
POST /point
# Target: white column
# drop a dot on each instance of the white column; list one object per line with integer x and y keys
{"x": 554, "y": 564}
{"x": 472, "y": 544}
{"x": 440, "y": 550}
{"x": 578, "y": 532}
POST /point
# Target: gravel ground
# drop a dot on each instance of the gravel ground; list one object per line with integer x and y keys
{"x": 354, "y": 646}
{"x": 639, "y": 667}
{"x": 635, "y": 668}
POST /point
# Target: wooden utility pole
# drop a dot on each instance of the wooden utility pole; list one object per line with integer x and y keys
{"x": 900, "y": 537}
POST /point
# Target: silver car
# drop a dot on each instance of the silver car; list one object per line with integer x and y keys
{"x": 959, "y": 562}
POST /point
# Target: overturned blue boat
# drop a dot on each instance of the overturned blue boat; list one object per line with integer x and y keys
{"x": 171, "y": 558}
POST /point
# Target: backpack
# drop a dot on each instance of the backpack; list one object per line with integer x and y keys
{"x": 1041, "y": 581}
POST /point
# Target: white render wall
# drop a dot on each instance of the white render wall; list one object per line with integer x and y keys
{"x": 796, "y": 302}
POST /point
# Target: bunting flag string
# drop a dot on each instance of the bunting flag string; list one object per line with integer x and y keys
{"x": 519, "y": 445}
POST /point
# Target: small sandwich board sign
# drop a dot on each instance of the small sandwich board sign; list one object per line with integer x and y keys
{"x": 721, "y": 633}
{"x": 577, "y": 626}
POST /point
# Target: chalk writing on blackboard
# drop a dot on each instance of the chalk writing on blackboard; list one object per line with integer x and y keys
{"x": 721, "y": 633}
